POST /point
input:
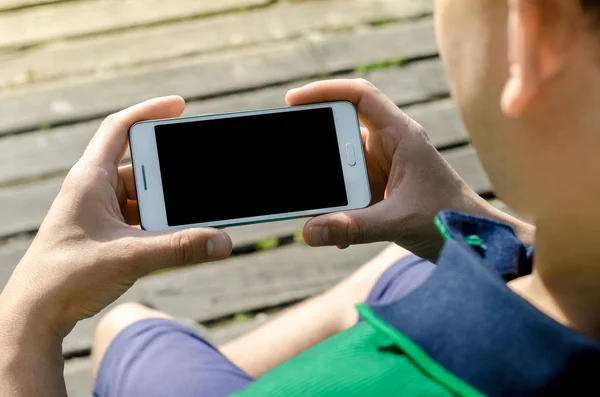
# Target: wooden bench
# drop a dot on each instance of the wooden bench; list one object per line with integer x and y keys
{"x": 65, "y": 65}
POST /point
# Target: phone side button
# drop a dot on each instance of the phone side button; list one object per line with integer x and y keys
{"x": 350, "y": 155}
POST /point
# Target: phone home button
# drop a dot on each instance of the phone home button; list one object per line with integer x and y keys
{"x": 350, "y": 155}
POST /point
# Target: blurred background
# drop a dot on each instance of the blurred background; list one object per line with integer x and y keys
{"x": 66, "y": 64}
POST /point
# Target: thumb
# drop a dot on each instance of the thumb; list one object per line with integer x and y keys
{"x": 183, "y": 247}
{"x": 362, "y": 226}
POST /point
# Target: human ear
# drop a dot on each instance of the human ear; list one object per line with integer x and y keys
{"x": 534, "y": 51}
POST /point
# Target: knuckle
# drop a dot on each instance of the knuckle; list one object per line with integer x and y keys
{"x": 110, "y": 120}
{"x": 183, "y": 248}
{"x": 81, "y": 177}
{"x": 70, "y": 184}
{"x": 75, "y": 181}
{"x": 365, "y": 84}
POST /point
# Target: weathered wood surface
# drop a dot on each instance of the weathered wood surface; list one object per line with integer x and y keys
{"x": 51, "y": 152}
{"x": 209, "y": 76}
{"x": 154, "y": 44}
{"x": 239, "y": 284}
{"x": 70, "y": 19}
{"x": 67, "y": 64}
{"x": 78, "y": 377}
{"x": 48, "y": 153}
{"x": 15, "y": 4}
{"x": 24, "y": 207}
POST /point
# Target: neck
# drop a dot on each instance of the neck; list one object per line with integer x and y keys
{"x": 566, "y": 279}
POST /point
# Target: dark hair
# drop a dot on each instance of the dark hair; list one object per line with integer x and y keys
{"x": 593, "y": 8}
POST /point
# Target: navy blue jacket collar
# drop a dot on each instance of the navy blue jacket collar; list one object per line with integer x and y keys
{"x": 467, "y": 319}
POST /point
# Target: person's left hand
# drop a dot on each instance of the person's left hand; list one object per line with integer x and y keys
{"x": 87, "y": 253}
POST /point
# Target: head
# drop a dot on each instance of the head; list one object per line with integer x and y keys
{"x": 526, "y": 77}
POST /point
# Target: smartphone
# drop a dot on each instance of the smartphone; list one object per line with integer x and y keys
{"x": 247, "y": 167}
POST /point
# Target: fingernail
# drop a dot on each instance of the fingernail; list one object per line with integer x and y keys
{"x": 319, "y": 235}
{"x": 217, "y": 247}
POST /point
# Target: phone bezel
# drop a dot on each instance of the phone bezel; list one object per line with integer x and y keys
{"x": 151, "y": 204}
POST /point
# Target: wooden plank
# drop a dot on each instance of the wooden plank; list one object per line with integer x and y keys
{"x": 12, "y": 4}
{"x": 11, "y": 252}
{"x": 248, "y": 282}
{"x": 28, "y": 205}
{"x": 78, "y": 377}
{"x": 69, "y": 19}
{"x": 444, "y": 126}
{"x": 23, "y": 207}
{"x": 51, "y": 152}
{"x": 224, "y": 333}
{"x": 209, "y": 76}
{"x": 157, "y": 43}
{"x": 464, "y": 160}
{"x": 251, "y": 234}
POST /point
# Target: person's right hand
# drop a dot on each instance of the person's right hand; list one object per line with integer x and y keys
{"x": 410, "y": 180}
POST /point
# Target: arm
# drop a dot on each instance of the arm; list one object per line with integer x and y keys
{"x": 85, "y": 256}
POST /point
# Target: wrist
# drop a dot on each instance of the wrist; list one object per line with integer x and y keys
{"x": 22, "y": 327}
{"x": 41, "y": 307}
{"x": 25, "y": 319}
{"x": 31, "y": 361}
{"x": 477, "y": 206}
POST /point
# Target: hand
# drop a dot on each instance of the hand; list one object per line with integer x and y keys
{"x": 410, "y": 181}
{"x": 87, "y": 253}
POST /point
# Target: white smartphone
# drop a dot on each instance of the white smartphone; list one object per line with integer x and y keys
{"x": 248, "y": 167}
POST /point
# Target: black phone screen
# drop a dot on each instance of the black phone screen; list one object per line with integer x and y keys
{"x": 240, "y": 167}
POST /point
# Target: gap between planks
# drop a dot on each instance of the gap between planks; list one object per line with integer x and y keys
{"x": 208, "y": 77}
{"x": 463, "y": 160}
{"x": 37, "y": 155}
{"x": 35, "y": 25}
{"x": 153, "y": 45}
{"x": 12, "y": 5}
{"x": 25, "y": 206}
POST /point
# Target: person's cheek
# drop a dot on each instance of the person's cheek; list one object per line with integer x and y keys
{"x": 472, "y": 40}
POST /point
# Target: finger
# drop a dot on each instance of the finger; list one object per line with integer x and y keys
{"x": 375, "y": 109}
{"x": 343, "y": 247}
{"x": 364, "y": 133}
{"x": 110, "y": 142}
{"x": 126, "y": 175}
{"x": 183, "y": 247}
{"x": 367, "y": 225}
{"x": 131, "y": 213}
